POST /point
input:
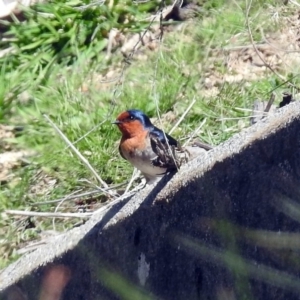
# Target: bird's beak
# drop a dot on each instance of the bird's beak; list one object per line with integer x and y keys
{"x": 116, "y": 122}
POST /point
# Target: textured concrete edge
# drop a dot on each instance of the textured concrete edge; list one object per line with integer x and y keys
{"x": 165, "y": 190}
{"x": 235, "y": 145}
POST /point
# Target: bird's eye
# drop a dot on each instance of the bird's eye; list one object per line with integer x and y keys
{"x": 131, "y": 118}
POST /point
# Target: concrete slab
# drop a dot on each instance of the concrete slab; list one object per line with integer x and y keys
{"x": 227, "y": 226}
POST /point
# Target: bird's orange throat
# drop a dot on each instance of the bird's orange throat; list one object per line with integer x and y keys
{"x": 131, "y": 129}
{"x": 134, "y": 142}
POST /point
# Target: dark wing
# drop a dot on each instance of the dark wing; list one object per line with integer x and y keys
{"x": 168, "y": 150}
{"x": 162, "y": 137}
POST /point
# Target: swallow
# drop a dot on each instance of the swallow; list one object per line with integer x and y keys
{"x": 148, "y": 148}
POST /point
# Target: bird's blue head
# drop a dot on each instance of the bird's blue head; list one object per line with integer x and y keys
{"x": 132, "y": 121}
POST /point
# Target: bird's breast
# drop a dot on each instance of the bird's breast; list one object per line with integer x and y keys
{"x": 139, "y": 153}
{"x": 135, "y": 149}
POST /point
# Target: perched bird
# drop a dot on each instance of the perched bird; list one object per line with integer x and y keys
{"x": 148, "y": 148}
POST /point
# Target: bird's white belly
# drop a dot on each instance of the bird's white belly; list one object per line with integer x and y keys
{"x": 142, "y": 160}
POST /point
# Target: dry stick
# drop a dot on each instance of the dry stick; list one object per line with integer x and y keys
{"x": 47, "y": 214}
{"x": 155, "y": 76}
{"x": 276, "y": 48}
{"x": 82, "y": 158}
{"x": 97, "y": 187}
{"x": 127, "y": 59}
{"x": 119, "y": 79}
{"x": 84, "y": 7}
{"x": 57, "y": 207}
{"x": 175, "y": 3}
{"x": 294, "y": 2}
{"x": 135, "y": 174}
{"x": 87, "y": 133}
{"x": 183, "y": 115}
{"x": 7, "y": 51}
{"x": 241, "y": 47}
{"x": 258, "y": 45}
{"x": 194, "y": 133}
{"x": 270, "y": 102}
{"x": 256, "y": 50}
{"x": 239, "y": 118}
{"x": 154, "y": 88}
{"x": 101, "y": 211}
{"x": 140, "y": 1}
{"x": 31, "y": 247}
{"x": 75, "y": 196}
{"x": 269, "y": 44}
{"x": 127, "y": 62}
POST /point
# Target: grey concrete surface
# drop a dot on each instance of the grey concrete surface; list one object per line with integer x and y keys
{"x": 226, "y": 226}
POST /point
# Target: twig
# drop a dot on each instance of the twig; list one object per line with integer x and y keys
{"x": 86, "y": 134}
{"x": 127, "y": 59}
{"x": 153, "y": 88}
{"x": 84, "y": 7}
{"x": 183, "y": 115}
{"x": 75, "y": 196}
{"x": 270, "y": 102}
{"x": 140, "y": 1}
{"x": 177, "y": 3}
{"x": 7, "y": 51}
{"x": 100, "y": 211}
{"x": 294, "y": 2}
{"x": 136, "y": 173}
{"x": 265, "y": 45}
{"x": 194, "y": 132}
{"x": 241, "y": 118}
{"x": 104, "y": 208}
{"x": 82, "y": 158}
{"x": 241, "y": 47}
{"x": 47, "y": 214}
{"x": 56, "y": 209}
{"x": 256, "y": 50}
{"x": 33, "y": 246}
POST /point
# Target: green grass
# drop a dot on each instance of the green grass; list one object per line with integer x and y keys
{"x": 55, "y": 58}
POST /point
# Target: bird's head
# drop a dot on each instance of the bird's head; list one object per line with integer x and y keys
{"x": 132, "y": 122}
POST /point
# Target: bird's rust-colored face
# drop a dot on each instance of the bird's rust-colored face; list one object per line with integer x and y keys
{"x": 129, "y": 125}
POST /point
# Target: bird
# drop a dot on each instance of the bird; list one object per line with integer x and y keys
{"x": 148, "y": 148}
